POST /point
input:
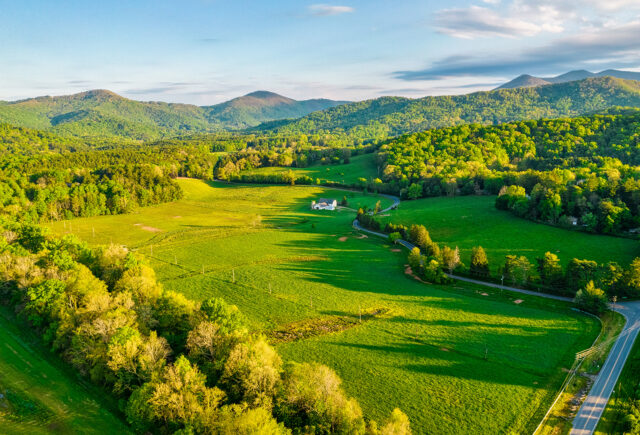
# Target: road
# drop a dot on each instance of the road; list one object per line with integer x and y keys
{"x": 587, "y": 418}
{"x": 586, "y": 421}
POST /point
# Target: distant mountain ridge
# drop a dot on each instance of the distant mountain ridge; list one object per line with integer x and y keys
{"x": 393, "y": 116}
{"x": 102, "y": 113}
{"x": 260, "y": 106}
{"x": 526, "y": 80}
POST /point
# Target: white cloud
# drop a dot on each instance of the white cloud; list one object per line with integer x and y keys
{"x": 476, "y": 21}
{"x": 325, "y": 10}
{"x": 611, "y": 47}
{"x": 525, "y": 18}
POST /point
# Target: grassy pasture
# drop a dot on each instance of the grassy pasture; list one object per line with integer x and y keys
{"x": 38, "y": 394}
{"x": 457, "y": 359}
{"x": 473, "y": 220}
{"x": 362, "y": 166}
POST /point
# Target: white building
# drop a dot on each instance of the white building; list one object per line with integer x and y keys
{"x": 324, "y": 204}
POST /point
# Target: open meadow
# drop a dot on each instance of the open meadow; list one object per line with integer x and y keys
{"x": 456, "y": 359}
{"x": 39, "y": 395}
{"x": 362, "y": 166}
{"x": 468, "y": 221}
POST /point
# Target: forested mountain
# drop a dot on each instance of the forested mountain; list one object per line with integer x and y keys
{"x": 101, "y": 113}
{"x": 526, "y": 80}
{"x": 261, "y": 106}
{"x": 393, "y": 116}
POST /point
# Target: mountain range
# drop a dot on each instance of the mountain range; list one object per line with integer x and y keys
{"x": 101, "y": 114}
{"x": 527, "y": 81}
{"x": 105, "y": 114}
{"x": 393, "y": 116}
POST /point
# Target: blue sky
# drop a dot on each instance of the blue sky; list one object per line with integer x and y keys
{"x": 207, "y": 51}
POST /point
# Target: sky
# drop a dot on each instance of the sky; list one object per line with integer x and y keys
{"x": 208, "y": 51}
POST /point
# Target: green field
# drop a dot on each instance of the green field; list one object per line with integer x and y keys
{"x": 363, "y": 166}
{"x": 468, "y": 221}
{"x": 38, "y": 394}
{"x": 456, "y": 359}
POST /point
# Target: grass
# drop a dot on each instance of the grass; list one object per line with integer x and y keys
{"x": 561, "y": 417}
{"x": 473, "y": 220}
{"x": 458, "y": 359}
{"x": 38, "y": 394}
{"x": 362, "y": 166}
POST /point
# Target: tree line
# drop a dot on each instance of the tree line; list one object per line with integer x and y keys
{"x": 589, "y": 283}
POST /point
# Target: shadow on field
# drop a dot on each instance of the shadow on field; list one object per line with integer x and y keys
{"x": 463, "y": 363}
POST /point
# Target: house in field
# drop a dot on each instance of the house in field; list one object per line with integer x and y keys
{"x": 324, "y": 204}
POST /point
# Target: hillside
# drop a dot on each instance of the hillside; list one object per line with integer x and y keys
{"x": 392, "y": 116}
{"x": 526, "y": 80}
{"x": 101, "y": 113}
{"x": 261, "y": 106}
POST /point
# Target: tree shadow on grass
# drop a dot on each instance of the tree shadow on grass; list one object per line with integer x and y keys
{"x": 456, "y": 364}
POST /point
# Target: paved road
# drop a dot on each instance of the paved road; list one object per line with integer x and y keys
{"x": 586, "y": 421}
{"x": 588, "y": 416}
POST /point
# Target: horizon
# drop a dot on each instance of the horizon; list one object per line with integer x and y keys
{"x": 205, "y": 52}
{"x": 250, "y": 93}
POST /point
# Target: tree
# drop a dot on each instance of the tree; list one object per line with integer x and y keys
{"x": 550, "y": 270}
{"x": 414, "y": 191}
{"x": 377, "y": 208}
{"x": 580, "y": 272}
{"x": 591, "y": 299}
{"x": 209, "y": 344}
{"x": 252, "y": 373}
{"x": 632, "y": 277}
{"x": 312, "y": 396}
{"x": 419, "y": 236}
{"x": 415, "y": 259}
{"x": 479, "y": 262}
{"x": 450, "y": 258}
{"x": 393, "y": 237}
{"x": 180, "y": 398}
{"x": 243, "y": 420}
{"x": 517, "y": 270}
{"x": 398, "y": 424}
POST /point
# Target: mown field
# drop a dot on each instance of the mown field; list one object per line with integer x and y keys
{"x": 456, "y": 359}
{"x": 39, "y": 395}
{"x": 362, "y": 166}
{"x": 468, "y": 221}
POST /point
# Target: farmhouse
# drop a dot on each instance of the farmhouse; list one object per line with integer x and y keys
{"x": 324, "y": 204}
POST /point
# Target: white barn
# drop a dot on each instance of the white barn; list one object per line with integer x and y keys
{"x": 324, "y": 204}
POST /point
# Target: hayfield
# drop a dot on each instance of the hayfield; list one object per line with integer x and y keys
{"x": 468, "y": 221}
{"x": 457, "y": 359}
{"x": 38, "y": 394}
{"x": 362, "y": 166}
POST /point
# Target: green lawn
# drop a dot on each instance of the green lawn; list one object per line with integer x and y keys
{"x": 363, "y": 166}
{"x": 457, "y": 360}
{"x": 38, "y": 394}
{"x": 468, "y": 221}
